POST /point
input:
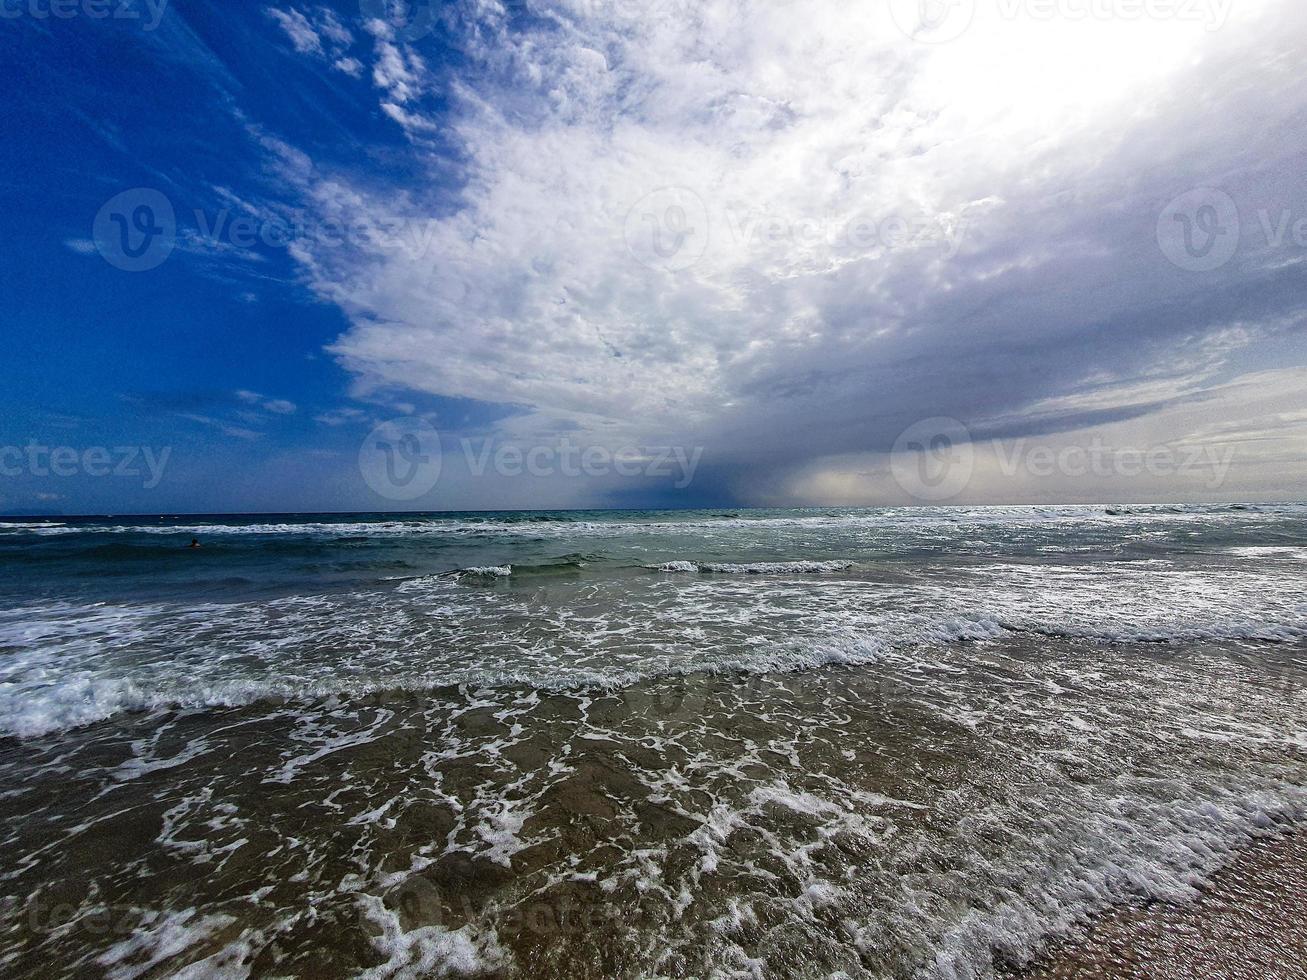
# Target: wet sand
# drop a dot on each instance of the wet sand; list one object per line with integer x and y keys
{"x": 1250, "y": 922}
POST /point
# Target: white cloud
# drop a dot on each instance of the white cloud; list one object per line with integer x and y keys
{"x": 1245, "y": 439}
{"x": 350, "y": 66}
{"x": 333, "y": 29}
{"x": 298, "y": 29}
{"x": 324, "y": 36}
{"x": 226, "y": 428}
{"x": 397, "y": 71}
{"x": 871, "y": 229}
{"x": 278, "y": 406}
{"x": 340, "y": 416}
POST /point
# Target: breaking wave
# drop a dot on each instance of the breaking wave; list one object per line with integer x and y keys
{"x": 755, "y": 567}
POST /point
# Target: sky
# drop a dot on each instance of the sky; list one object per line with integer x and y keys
{"x": 372, "y": 256}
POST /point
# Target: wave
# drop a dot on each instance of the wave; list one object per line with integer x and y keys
{"x": 481, "y": 572}
{"x": 70, "y": 663}
{"x": 560, "y": 525}
{"x": 563, "y": 565}
{"x": 754, "y": 568}
{"x": 77, "y": 701}
{"x": 79, "y": 697}
{"x": 83, "y": 699}
{"x": 1168, "y": 851}
{"x": 1270, "y": 551}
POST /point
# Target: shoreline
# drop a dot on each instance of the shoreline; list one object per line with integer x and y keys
{"x": 1249, "y": 923}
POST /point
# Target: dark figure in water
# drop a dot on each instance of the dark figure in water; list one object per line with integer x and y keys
{"x": 195, "y": 542}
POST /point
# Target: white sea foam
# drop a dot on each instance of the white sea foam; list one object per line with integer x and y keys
{"x": 677, "y": 566}
{"x": 164, "y": 937}
{"x": 429, "y": 950}
{"x": 1280, "y": 551}
{"x": 1166, "y": 852}
{"x": 475, "y": 572}
{"x": 756, "y": 567}
{"x": 70, "y": 663}
{"x": 947, "y": 518}
{"x": 1039, "y": 816}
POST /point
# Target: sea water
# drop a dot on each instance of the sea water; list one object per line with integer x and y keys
{"x": 887, "y": 742}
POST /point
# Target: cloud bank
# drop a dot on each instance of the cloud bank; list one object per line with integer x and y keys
{"x": 787, "y": 231}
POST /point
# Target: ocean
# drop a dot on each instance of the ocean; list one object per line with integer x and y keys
{"x": 758, "y": 743}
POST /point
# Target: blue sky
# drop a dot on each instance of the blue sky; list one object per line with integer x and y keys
{"x": 739, "y": 254}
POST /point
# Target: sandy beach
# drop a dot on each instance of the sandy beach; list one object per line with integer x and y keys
{"x": 1249, "y": 924}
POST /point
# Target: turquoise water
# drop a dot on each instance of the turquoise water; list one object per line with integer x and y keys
{"x": 107, "y": 615}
